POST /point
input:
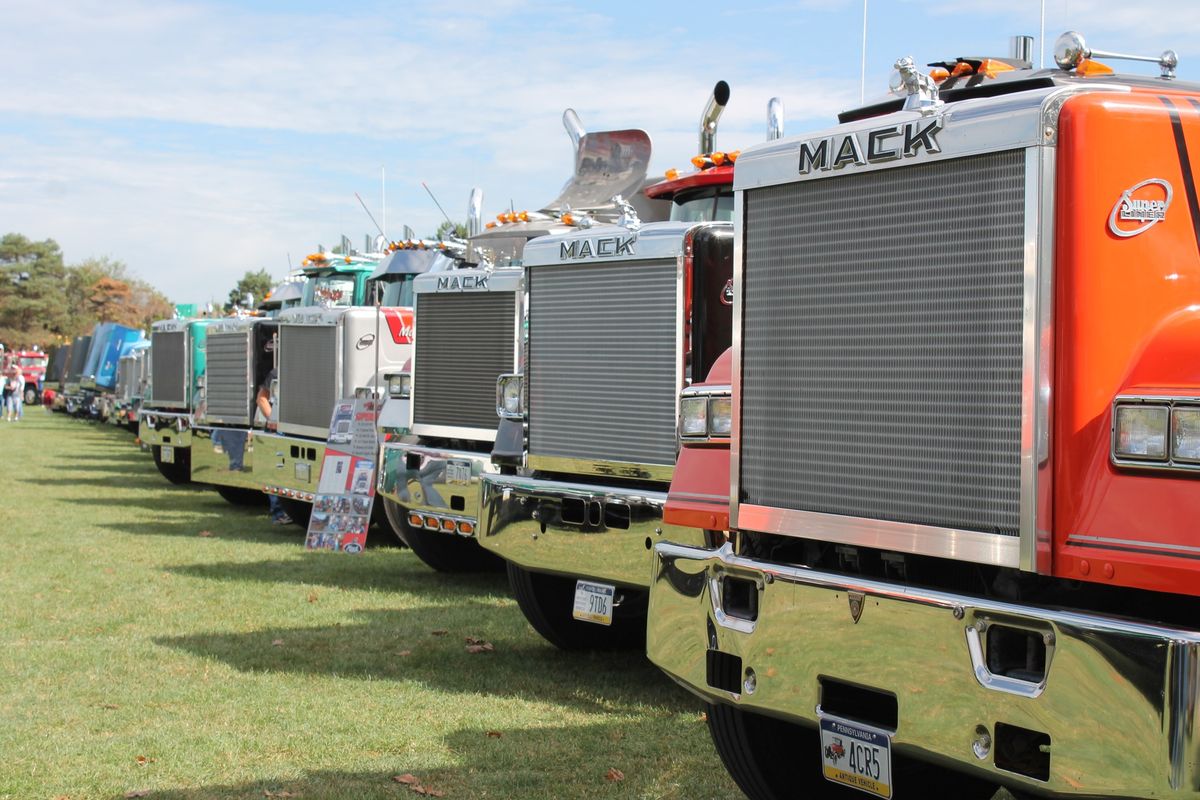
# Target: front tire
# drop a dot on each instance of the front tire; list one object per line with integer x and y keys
{"x": 31, "y": 396}
{"x": 444, "y": 552}
{"x": 547, "y": 602}
{"x": 248, "y": 498}
{"x": 179, "y": 471}
{"x": 770, "y": 759}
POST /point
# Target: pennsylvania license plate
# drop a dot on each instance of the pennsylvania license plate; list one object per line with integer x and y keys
{"x": 458, "y": 472}
{"x": 856, "y": 755}
{"x": 168, "y": 454}
{"x": 594, "y": 602}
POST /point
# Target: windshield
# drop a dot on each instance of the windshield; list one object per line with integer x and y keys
{"x": 336, "y": 290}
{"x": 33, "y": 361}
{"x": 398, "y": 292}
{"x": 710, "y": 204}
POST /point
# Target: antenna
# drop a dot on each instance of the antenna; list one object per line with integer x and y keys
{"x": 1042, "y": 39}
{"x": 364, "y": 205}
{"x": 383, "y": 186}
{"x": 436, "y": 203}
{"x": 862, "y": 80}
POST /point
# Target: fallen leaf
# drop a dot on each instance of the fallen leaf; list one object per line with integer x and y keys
{"x": 480, "y": 646}
{"x": 312, "y": 597}
{"x": 428, "y": 791}
{"x": 439, "y": 632}
{"x": 143, "y": 761}
{"x": 494, "y": 734}
{"x": 614, "y": 775}
{"x": 280, "y": 793}
{"x": 404, "y": 653}
{"x": 137, "y": 793}
{"x": 277, "y": 643}
{"x": 110, "y": 706}
{"x": 408, "y": 779}
{"x": 205, "y": 533}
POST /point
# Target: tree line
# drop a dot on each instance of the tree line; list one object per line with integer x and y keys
{"x": 44, "y": 301}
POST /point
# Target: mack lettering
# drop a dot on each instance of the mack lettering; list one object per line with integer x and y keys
{"x": 602, "y": 247}
{"x": 847, "y": 149}
{"x": 463, "y": 283}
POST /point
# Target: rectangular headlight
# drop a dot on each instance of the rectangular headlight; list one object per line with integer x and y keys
{"x": 510, "y": 396}
{"x": 1141, "y": 432}
{"x": 693, "y": 416}
{"x": 720, "y": 415}
{"x": 399, "y": 385}
{"x": 1185, "y": 434}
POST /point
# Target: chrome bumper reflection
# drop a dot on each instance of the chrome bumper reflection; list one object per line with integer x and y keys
{"x": 224, "y": 457}
{"x": 165, "y": 427}
{"x": 438, "y": 489}
{"x": 1116, "y": 700}
{"x": 579, "y": 530}
{"x": 288, "y": 466}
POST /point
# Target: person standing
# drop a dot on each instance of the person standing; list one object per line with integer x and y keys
{"x": 278, "y": 515}
{"x": 16, "y": 392}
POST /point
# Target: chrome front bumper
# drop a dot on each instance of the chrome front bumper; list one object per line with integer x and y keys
{"x": 156, "y": 428}
{"x": 224, "y": 457}
{"x": 442, "y": 487}
{"x": 288, "y": 466}
{"x": 1117, "y": 699}
{"x": 577, "y": 530}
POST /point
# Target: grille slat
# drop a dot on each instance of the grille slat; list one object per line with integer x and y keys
{"x": 881, "y": 357}
{"x": 228, "y": 389}
{"x": 463, "y": 343}
{"x": 308, "y": 374}
{"x": 603, "y": 361}
{"x": 168, "y": 375}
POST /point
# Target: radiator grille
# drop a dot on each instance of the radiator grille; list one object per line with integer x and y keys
{"x": 881, "y": 367}
{"x": 228, "y": 393}
{"x": 169, "y": 381}
{"x": 78, "y": 358}
{"x": 126, "y": 369}
{"x": 308, "y": 374}
{"x": 464, "y": 342}
{"x": 603, "y": 367}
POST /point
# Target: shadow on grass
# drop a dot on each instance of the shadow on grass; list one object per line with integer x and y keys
{"x": 401, "y": 645}
{"x": 223, "y": 523}
{"x": 343, "y": 572}
{"x": 117, "y": 477}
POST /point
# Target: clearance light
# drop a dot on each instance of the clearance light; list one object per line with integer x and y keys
{"x": 523, "y": 216}
{"x": 347, "y": 259}
{"x": 415, "y": 520}
{"x": 448, "y": 525}
{"x": 432, "y": 523}
{"x": 567, "y": 219}
{"x": 672, "y": 174}
{"x": 466, "y": 528}
{"x": 700, "y": 162}
{"x": 939, "y": 74}
{"x": 991, "y": 67}
{"x": 490, "y": 225}
{"x": 718, "y": 158}
{"x": 1090, "y": 69}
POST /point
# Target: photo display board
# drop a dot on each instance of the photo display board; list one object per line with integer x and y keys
{"x": 341, "y": 512}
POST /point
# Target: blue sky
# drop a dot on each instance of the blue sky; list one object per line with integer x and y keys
{"x": 196, "y": 140}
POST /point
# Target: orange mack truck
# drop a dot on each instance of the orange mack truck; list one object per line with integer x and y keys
{"x": 948, "y": 470}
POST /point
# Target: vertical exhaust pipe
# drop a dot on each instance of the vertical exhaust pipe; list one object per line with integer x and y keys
{"x": 712, "y": 113}
{"x": 475, "y": 212}
{"x": 774, "y": 119}
{"x": 1021, "y": 48}
{"x": 574, "y": 127}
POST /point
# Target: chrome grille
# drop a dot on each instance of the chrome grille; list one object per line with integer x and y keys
{"x": 464, "y": 342}
{"x": 881, "y": 348}
{"x": 169, "y": 382}
{"x": 603, "y": 367}
{"x": 126, "y": 369}
{"x": 308, "y": 374}
{"x": 228, "y": 392}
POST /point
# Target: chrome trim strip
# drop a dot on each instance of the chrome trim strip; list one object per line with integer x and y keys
{"x": 904, "y": 537}
{"x": 1032, "y": 419}
{"x": 1100, "y": 541}
{"x": 611, "y": 469}
{"x": 735, "y": 423}
{"x": 455, "y": 432}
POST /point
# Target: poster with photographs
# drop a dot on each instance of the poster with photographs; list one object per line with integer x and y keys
{"x": 341, "y": 511}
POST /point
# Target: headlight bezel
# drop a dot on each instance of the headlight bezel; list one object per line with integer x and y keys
{"x": 705, "y": 414}
{"x": 1166, "y": 413}
{"x": 510, "y": 396}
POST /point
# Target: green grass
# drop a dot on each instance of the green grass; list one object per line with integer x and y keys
{"x": 237, "y": 664}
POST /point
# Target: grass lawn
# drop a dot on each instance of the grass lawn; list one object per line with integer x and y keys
{"x": 156, "y": 641}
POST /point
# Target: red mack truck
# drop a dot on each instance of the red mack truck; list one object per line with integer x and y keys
{"x": 947, "y": 474}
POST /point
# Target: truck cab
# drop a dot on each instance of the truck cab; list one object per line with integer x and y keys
{"x": 33, "y": 364}
{"x": 127, "y": 396}
{"x": 72, "y": 390}
{"x": 178, "y": 356}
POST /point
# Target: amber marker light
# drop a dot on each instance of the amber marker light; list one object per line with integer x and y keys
{"x": 1090, "y": 69}
{"x": 415, "y": 520}
{"x": 466, "y": 527}
{"x": 448, "y": 525}
{"x": 567, "y": 219}
{"x": 672, "y": 174}
{"x": 699, "y": 162}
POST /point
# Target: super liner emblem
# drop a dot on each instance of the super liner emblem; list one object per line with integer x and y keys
{"x": 1145, "y": 203}
{"x": 364, "y": 341}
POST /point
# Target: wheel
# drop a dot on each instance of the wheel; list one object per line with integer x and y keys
{"x": 178, "y": 472}
{"x": 770, "y": 759}
{"x": 547, "y": 602}
{"x": 242, "y": 497}
{"x": 444, "y": 552}
{"x": 31, "y": 396}
{"x": 298, "y": 510}
{"x": 395, "y": 518}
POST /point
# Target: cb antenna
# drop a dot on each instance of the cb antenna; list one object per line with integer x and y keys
{"x": 364, "y": 205}
{"x": 436, "y": 203}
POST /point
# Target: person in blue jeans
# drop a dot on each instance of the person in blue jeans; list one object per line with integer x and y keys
{"x": 278, "y": 515}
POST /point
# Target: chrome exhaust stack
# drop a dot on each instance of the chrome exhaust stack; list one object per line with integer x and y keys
{"x": 475, "y": 212}
{"x": 774, "y": 119}
{"x": 574, "y": 127}
{"x": 712, "y": 113}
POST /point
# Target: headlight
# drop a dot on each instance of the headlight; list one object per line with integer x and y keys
{"x": 1141, "y": 432}
{"x": 693, "y": 416}
{"x": 720, "y": 415}
{"x": 510, "y": 396}
{"x": 1185, "y": 434}
{"x": 399, "y": 385}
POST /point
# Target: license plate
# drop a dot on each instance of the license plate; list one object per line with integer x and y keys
{"x": 458, "y": 472}
{"x": 857, "y": 755}
{"x": 168, "y": 454}
{"x": 593, "y": 602}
